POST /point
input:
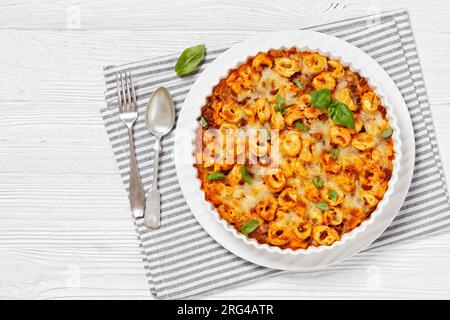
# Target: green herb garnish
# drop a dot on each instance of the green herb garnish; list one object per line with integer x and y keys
{"x": 280, "y": 104}
{"x": 387, "y": 133}
{"x": 341, "y": 114}
{"x": 246, "y": 175}
{"x": 302, "y": 127}
{"x": 335, "y": 153}
{"x": 249, "y": 227}
{"x": 322, "y": 205}
{"x": 332, "y": 195}
{"x": 298, "y": 84}
{"x": 321, "y": 99}
{"x": 203, "y": 122}
{"x": 318, "y": 182}
{"x": 215, "y": 176}
{"x": 338, "y": 111}
{"x": 190, "y": 59}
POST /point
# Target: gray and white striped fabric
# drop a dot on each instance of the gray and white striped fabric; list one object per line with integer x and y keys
{"x": 180, "y": 258}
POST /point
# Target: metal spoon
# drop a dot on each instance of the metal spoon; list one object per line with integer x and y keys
{"x": 159, "y": 118}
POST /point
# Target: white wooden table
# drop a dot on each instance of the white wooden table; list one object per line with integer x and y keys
{"x": 65, "y": 227}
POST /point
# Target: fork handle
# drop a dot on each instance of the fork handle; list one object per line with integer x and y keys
{"x": 136, "y": 189}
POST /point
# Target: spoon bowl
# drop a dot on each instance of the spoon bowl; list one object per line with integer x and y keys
{"x": 160, "y": 113}
{"x": 159, "y": 119}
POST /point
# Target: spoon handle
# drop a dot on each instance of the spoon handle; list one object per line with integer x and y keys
{"x": 152, "y": 210}
{"x": 152, "y": 204}
{"x": 157, "y": 148}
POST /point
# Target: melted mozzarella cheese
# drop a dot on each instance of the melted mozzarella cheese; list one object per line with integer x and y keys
{"x": 354, "y": 200}
{"x": 245, "y": 196}
{"x": 253, "y": 194}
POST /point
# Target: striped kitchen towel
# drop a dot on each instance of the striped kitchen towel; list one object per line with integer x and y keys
{"x": 180, "y": 258}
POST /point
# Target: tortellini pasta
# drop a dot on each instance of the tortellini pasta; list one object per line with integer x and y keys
{"x": 275, "y": 180}
{"x": 279, "y": 169}
{"x": 363, "y": 141}
{"x": 314, "y": 63}
{"x": 301, "y": 229}
{"x": 278, "y": 234}
{"x": 324, "y": 81}
{"x": 287, "y": 66}
{"x": 370, "y": 102}
{"x": 260, "y": 61}
{"x": 333, "y": 216}
{"x": 288, "y": 198}
{"x": 340, "y": 136}
{"x": 263, "y": 110}
{"x": 291, "y": 144}
{"x": 324, "y": 235}
{"x": 266, "y": 208}
{"x": 344, "y": 96}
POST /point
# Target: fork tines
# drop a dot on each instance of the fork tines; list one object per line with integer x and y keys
{"x": 125, "y": 92}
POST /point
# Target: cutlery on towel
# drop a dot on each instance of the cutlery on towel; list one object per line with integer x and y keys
{"x": 159, "y": 118}
{"x": 128, "y": 114}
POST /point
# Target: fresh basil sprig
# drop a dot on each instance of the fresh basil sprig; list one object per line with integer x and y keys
{"x": 341, "y": 114}
{"x": 322, "y": 205}
{"x": 332, "y": 195}
{"x": 246, "y": 175}
{"x": 280, "y": 104}
{"x": 321, "y": 99}
{"x": 249, "y": 227}
{"x": 318, "y": 182}
{"x": 387, "y": 133}
{"x": 338, "y": 111}
{"x": 190, "y": 59}
{"x": 335, "y": 153}
{"x": 302, "y": 127}
{"x": 203, "y": 122}
{"x": 215, "y": 176}
{"x": 298, "y": 84}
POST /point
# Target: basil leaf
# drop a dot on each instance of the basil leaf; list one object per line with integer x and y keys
{"x": 387, "y": 133}
{"x": 280, "y": 104}
{"x": 203, "y": 122}
{"x": 335, "y": 153}
{"x": 190, "y": 59}
{"x": 246, "y": 175}
{"x": 342, "y": 115}
{"x": 301, "y": 126}
{"x": 318, "y": 182}
{"x": 279, "y": 100}
{"x": 338, "y": 111}
{"x": 298, "y": 84}
{"x": 331, "y": 109}
{"x": 215, "y": 176}
{"x": 321, "y": 99}
{"x": 322, "y": 205}
{"x": 249, "y": 227}
{"x": 332, "y": 195}
{"x": 264, "y": 134}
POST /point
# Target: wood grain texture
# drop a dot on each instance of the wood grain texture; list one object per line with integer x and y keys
{"x": 66, "y": 230}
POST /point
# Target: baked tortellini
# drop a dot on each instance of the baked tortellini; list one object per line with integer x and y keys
{"x": 286, "y": 66}
{"x": 291, "y": 144}
{"x": 281, "y": 170}
{"x": 266, "y": 208}
{"x": 324, "y": 81}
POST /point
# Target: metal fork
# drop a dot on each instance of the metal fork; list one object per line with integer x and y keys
{"x": 128, "y": 114}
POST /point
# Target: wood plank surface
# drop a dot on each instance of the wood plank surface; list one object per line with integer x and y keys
{"x": 65, "y": 230}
